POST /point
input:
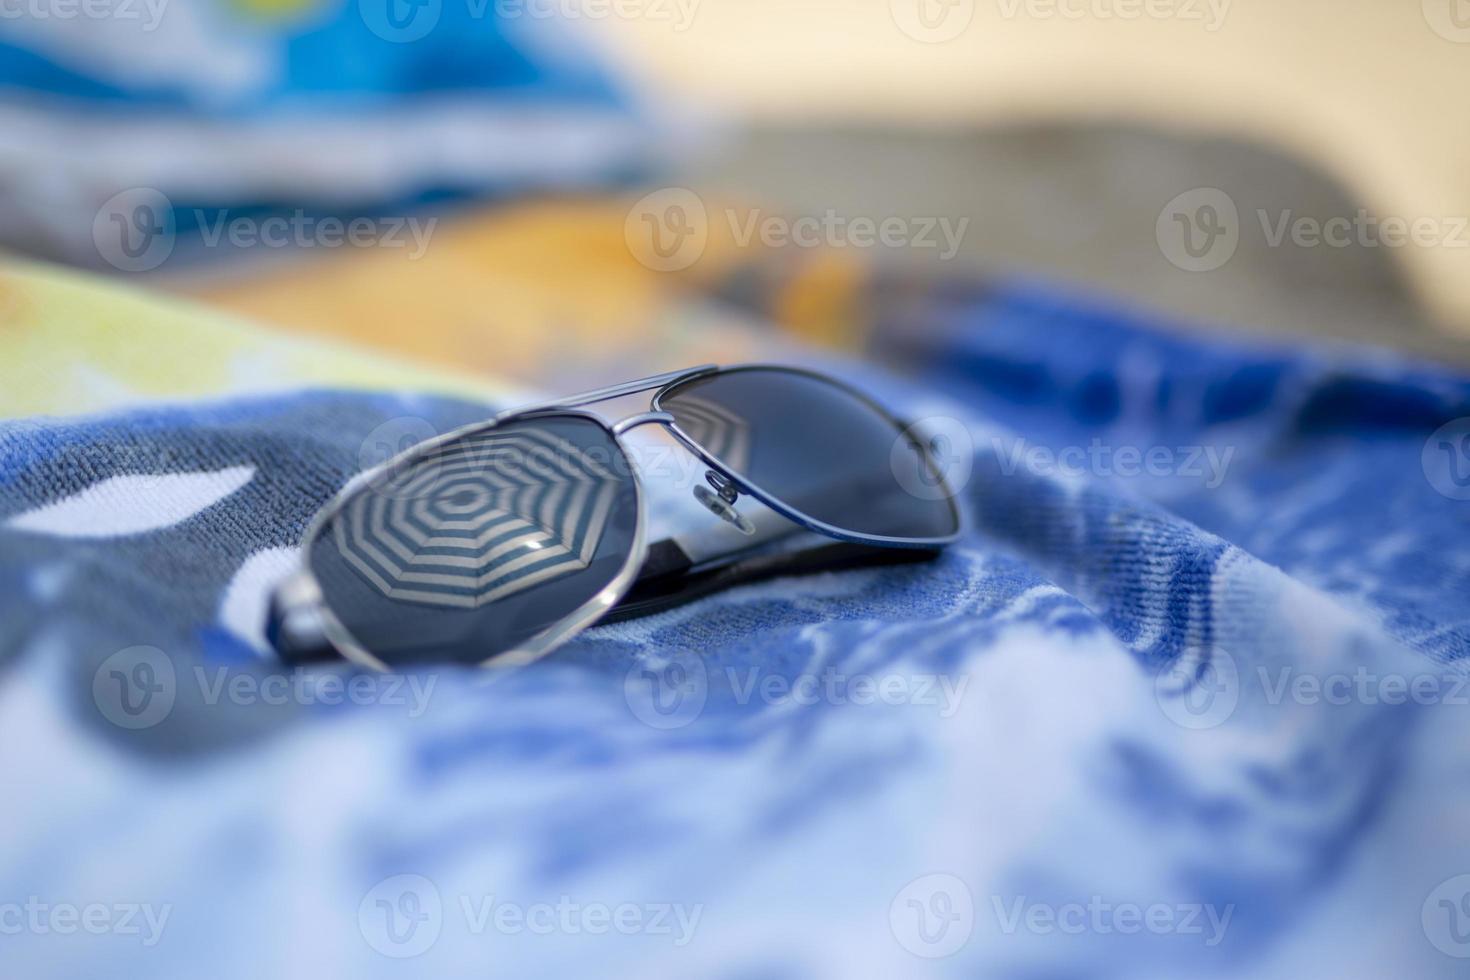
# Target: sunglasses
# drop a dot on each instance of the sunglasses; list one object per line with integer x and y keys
{"x": 497, "y": 542}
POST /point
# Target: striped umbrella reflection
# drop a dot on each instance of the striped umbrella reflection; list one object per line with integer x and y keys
{"x": 480, "y": 518}
{"x": 722, "y": 433}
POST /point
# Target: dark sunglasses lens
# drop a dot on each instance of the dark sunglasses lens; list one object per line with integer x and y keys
{"x": 819, "y": 448}
{"x": 478, "y": 546}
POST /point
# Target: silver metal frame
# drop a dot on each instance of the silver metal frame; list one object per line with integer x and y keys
{"x": 304, "y": 592}
{"x": 771, "y": 500}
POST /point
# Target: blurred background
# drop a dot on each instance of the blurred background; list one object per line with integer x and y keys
{"x": 598, "y": 188}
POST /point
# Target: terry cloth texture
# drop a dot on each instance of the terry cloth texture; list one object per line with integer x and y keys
{"x": 1187, "y": 699}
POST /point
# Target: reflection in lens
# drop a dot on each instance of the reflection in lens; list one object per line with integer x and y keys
{"x": 724, "y": 434}
{"x": 480, "y": 544}
{"x": 817, "y": 447}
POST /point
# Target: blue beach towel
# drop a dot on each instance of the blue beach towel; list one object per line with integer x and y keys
{"x": 1188, "y": 700}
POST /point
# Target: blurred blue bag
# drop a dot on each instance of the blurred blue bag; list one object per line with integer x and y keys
{"x": 339, "y": 107}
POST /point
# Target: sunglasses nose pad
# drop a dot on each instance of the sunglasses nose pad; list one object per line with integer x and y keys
{"x": 722, "y": 503}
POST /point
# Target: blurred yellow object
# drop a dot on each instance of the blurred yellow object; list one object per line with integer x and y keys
{"x": 77, "y": 343}
{"x": 819, "y": 302}
{"x": 529, "y": 292}
{"x": 1371, "y": 92}
{"x": 277, "y": 10}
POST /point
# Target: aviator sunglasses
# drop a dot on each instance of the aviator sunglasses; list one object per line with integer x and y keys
{"x": 496, "y": 542}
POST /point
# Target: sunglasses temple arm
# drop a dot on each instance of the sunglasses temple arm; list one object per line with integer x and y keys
{"x": 663, "y": 585}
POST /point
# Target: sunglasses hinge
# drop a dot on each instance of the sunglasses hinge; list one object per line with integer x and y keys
{"x": 722, "y": 486}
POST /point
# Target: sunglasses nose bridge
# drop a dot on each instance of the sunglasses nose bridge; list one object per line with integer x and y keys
{"x": 642, "y": 418}
{"x": 719, "y": 502}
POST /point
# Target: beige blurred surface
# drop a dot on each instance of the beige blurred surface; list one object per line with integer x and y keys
{"x": 1370, "y": 92}
{"x": 1074, "y": 206}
